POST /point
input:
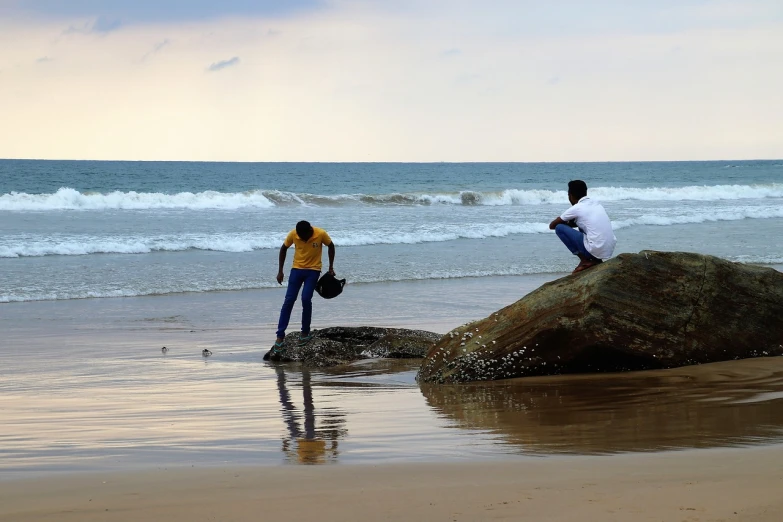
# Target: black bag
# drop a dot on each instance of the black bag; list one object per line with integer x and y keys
{"x": 329, "y": 286}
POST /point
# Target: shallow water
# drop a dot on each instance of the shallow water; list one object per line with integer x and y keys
{"x": 715, "y": 405}
{"x": 86, "y": 387}
{"x": 129, "y": 411}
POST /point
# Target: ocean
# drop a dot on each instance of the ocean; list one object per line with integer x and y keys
{"x": 95, "y": 229}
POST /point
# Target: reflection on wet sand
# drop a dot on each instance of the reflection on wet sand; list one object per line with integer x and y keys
{"x": 713, "y": 405}
{"x": 307, "y": 443}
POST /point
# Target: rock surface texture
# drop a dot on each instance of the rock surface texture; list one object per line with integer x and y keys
{"x": 634, "y": 312}
{"x": 341, "y": 345}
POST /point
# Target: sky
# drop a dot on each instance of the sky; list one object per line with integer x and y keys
{"x": 408, "y": 80}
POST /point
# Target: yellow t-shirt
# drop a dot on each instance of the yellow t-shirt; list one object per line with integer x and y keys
{"x": 308, "y": 254}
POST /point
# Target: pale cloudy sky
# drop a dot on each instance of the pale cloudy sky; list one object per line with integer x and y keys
{"x": 403, "y": 80}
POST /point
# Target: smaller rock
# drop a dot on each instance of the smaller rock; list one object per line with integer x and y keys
{"x": 340, "y": 345}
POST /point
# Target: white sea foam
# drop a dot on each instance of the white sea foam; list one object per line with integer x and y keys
{"x": 32, "y": 295}
{"x": 70, "y": 246}
{"x": 691, "y": 193}
{"x": 758, "y": 260}
{"x": 195, "y": 287}
{"x": 11, "y": 247}
{"x": 127, "y": 292}
{"x": 701, "y": 216}
{"x": 74, "y": 246}
{"x": 70, "y": 199}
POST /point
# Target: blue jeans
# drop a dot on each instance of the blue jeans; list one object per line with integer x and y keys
{"x": 574, "y": 240}
{"x": 298, "y": 277}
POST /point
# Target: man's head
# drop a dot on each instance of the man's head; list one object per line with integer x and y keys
{"x": 304, "y": 230}
{"x": 577, "y": 189}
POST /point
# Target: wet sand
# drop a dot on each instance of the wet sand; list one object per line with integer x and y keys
{"x": 97, "y": 418}
{"x": 727, "y": 485}
{"x": 734, "y": 403}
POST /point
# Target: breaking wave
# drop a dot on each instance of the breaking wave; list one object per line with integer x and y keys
{"x": 74, "y": 246}
{"x": 63, "y": 245}
{"x": 70, "y": 199}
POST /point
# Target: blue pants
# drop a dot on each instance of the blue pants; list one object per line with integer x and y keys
{"x": 298, "y": 277}
{"x": 574, "y": 240}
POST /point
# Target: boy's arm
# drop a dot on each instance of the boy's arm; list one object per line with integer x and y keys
{"x": 281, "y": 262}
{"x": 331, "y": 257}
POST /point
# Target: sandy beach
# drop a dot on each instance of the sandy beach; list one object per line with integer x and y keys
{"x": 710, "y": 485}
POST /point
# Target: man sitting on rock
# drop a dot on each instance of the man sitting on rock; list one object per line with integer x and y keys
{"x": 594, "y": 240}
{"x": 308, "y": 244}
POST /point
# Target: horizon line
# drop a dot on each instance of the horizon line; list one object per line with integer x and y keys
{"x": 393, "y": 162}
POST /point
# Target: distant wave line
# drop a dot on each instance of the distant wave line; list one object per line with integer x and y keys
{"x": 70, "y": 199}
{"x": 238, "y": 243}
{"x": 245, "y": 242}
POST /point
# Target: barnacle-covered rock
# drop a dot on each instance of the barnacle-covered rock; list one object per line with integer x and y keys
{"x": 634, "y": 312}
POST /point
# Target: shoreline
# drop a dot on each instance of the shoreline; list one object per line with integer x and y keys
{"x": 695, "y": 485}
{"x": 437, "y": 305}
{"x": 540, "y": 277}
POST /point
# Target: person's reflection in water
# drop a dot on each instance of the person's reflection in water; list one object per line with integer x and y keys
{"x": 310, "y": 445}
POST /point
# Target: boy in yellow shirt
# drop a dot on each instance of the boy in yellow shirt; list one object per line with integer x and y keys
{"x": 308, "y": 244}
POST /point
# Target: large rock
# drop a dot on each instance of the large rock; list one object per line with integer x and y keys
{"x": 636, "y": 311}
{"x": 341, "y": 345}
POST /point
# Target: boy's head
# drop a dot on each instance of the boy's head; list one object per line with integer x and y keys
{"x": 304, "y": 230}
{"x": 577, "y": 189}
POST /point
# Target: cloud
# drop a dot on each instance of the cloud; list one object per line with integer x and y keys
{"x": 375, "y": 72}
{"x": 467, "y": 78}
{"x": 157, "y": 11}
{"x": 217, "y": 66}
{"x": 101, "y": 25}
{"x": 104, "y": 24}
{"x": 578, "y": 17}
{"x": 161, "y": 45}
{"x": 156, "y": 49}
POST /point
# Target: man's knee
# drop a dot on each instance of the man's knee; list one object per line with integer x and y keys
{"x": 563, "y": 232}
